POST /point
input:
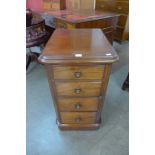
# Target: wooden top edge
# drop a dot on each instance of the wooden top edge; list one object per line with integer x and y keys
{"x": 45, "y": 61}
{"x": 63, "y": 16}
{"x": 85, "y": 20}
{"x": 79, "y": 46}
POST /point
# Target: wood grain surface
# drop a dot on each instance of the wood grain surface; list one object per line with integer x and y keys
{"x": 78, "y": 88}
{"x": 78, "y": 117}
{"x": 78, "y": 72}
{"x": 78, "y": 104}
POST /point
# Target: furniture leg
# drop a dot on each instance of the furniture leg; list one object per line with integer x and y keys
{"x": 126, "y": 83}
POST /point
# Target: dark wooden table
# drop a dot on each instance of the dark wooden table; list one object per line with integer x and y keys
{"x": 66, "y": 19}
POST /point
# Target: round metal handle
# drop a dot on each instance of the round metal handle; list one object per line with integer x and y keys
{"x": 77, "y": 74}
{"x": 78, "y": 119}
{"x": 78, "y": 106}
{"x": 77, "y": 90}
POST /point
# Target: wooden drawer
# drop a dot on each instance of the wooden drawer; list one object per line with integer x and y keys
{"x": 104, "y": 5}
{"x": 78, "y": 88}
{"x": 78, "y": 100}
{"x": 78, "y": 72}
{"x": 78, "y": 104}
{"x": 78, "y": 117}
{"x": 122, "y": 7}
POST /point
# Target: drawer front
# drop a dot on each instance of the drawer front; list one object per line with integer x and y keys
{"x": 104, "y": 5}
{"x": 77, "y": 72}
{"x": 78, "y": 117}
{"x": 78, "y": 104}
{"x": 122, "y": 7}
{"x": 78, "y": 88}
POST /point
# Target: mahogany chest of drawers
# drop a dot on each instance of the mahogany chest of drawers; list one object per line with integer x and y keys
{"x": 78, "y": 64}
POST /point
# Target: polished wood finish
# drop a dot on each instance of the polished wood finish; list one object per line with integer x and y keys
{"x": 78, "y": 104}
{"x": 78, "y": 64}
{"x": 90, "y": 44}
{"x": 79, "y": 88}
{"x": 104, "y": 5}
{"x": 122, "y": 20}
{"x": 78, "y": 117}
{"x": 122, "y": 8}
{"x": 78, "y": 72}
{"x": 104, "y": 20}
{"x": 107, "y": 25}
{"x": 80, "y": 126}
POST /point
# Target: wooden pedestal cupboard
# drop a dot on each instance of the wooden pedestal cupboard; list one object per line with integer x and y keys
{"x": 122, "y": 8}
{"x": 78, "y": 64}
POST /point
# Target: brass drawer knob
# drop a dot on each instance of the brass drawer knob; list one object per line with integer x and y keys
{"x": 77, "y": 74}
{"x": 78, "y": 119}
{"x": 78, "y": 106}
{"x": 77, "y": 90}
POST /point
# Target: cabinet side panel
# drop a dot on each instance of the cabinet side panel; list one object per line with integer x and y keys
{"x": 103, "y": 89}
{"x": 49, "y": 71}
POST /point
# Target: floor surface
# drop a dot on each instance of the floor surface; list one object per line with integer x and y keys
{"x": 43, "y": 136}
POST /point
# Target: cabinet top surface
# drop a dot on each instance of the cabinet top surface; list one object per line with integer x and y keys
{"x": 78, "y": 46}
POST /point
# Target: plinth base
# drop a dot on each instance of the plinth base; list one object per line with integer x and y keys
{"x": 78, "y": 126}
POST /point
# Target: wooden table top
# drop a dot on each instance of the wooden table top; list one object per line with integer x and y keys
{"x": 78, "y": 46}
{"x": 71, "y": 17}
